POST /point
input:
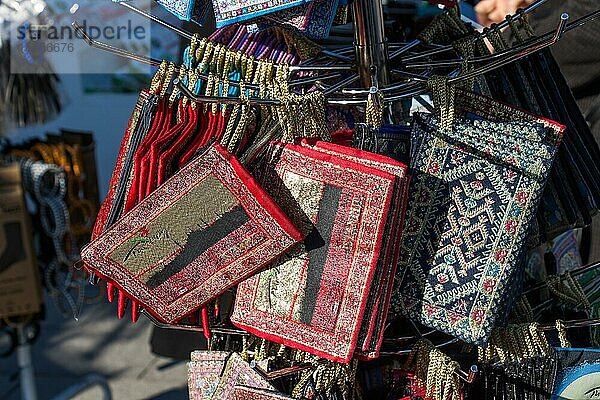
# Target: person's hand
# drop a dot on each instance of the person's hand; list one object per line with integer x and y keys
{"x": 494, "y": 11}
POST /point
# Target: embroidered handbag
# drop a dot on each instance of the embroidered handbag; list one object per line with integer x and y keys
{"x": 204, "y": 372}
{"x": 113, "y": 203}
{"x": 471, "y": 203}
{"x": 313, "y": 20}
{"x": 171, "y": 260}
{"x": 231, "y": 12}
{"x": 371, "y": 332}
{"x": 549, "y": 96}
{"x": 314, "y": 297}
{"x": 188, "y": 10}
{"x": 216, "y": 374}
{"x": 556, "y": 213}
{"x": 389, "y": 140}
{"x": 238, "y": 372}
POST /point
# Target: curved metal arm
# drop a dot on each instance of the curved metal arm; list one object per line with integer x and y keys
{"x": 501, "y": 25}
{"x": 564, "y": 17}
{"x": 82, "y": 34}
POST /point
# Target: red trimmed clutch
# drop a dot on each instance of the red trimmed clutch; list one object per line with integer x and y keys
{"x": 314, "y": 297}
{"x": 204, "y": 230}
{"x": 124, "y": 150}
{"x": 371, "y": 332}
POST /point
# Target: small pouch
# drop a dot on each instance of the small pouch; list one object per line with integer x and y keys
{"x": 467, "y": 223}
{"x": 227, "y": 13}
{"x": 215, "y": 374}
{"x": 558, "y": 211}
{"x": 550, "y": 97}
{"x": 314, "y": 298}
{"x": 204, "y": 372}
{"x": 238, "y": 372}
{"x": 371, "y": 332}
{"x": 172, "y": 260}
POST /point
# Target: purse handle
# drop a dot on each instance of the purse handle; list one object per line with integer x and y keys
{"x": 444, "y": 95}
{"x": 562, "y": 333}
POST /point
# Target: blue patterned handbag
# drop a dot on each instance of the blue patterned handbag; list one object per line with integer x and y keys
{"x": 474, "y": 192}
{"x": 228, "y": 12}
{"x": 188, "y": 10}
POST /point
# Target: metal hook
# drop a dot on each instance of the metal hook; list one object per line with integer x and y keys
{"x": 500, "y": 54}
{"x": 111, "y": 49}
{"x": 132, "y": 56}
{"x": 573, "y": 324}
{"x": 515, "y": 56}
{"x": 574, "y": 272}
{"x": 189, "y": 36}
{"x": 500, "y": 25}
{"x": 194, "y": 328}
{"x": 404, "y": 49}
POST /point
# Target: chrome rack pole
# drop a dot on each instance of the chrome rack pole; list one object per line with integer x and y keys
{"x": 370, "y": 43}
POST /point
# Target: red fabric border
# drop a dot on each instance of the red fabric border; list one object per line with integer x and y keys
{"x": 301, "y": 336}
{"x": 256, "y": 202}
